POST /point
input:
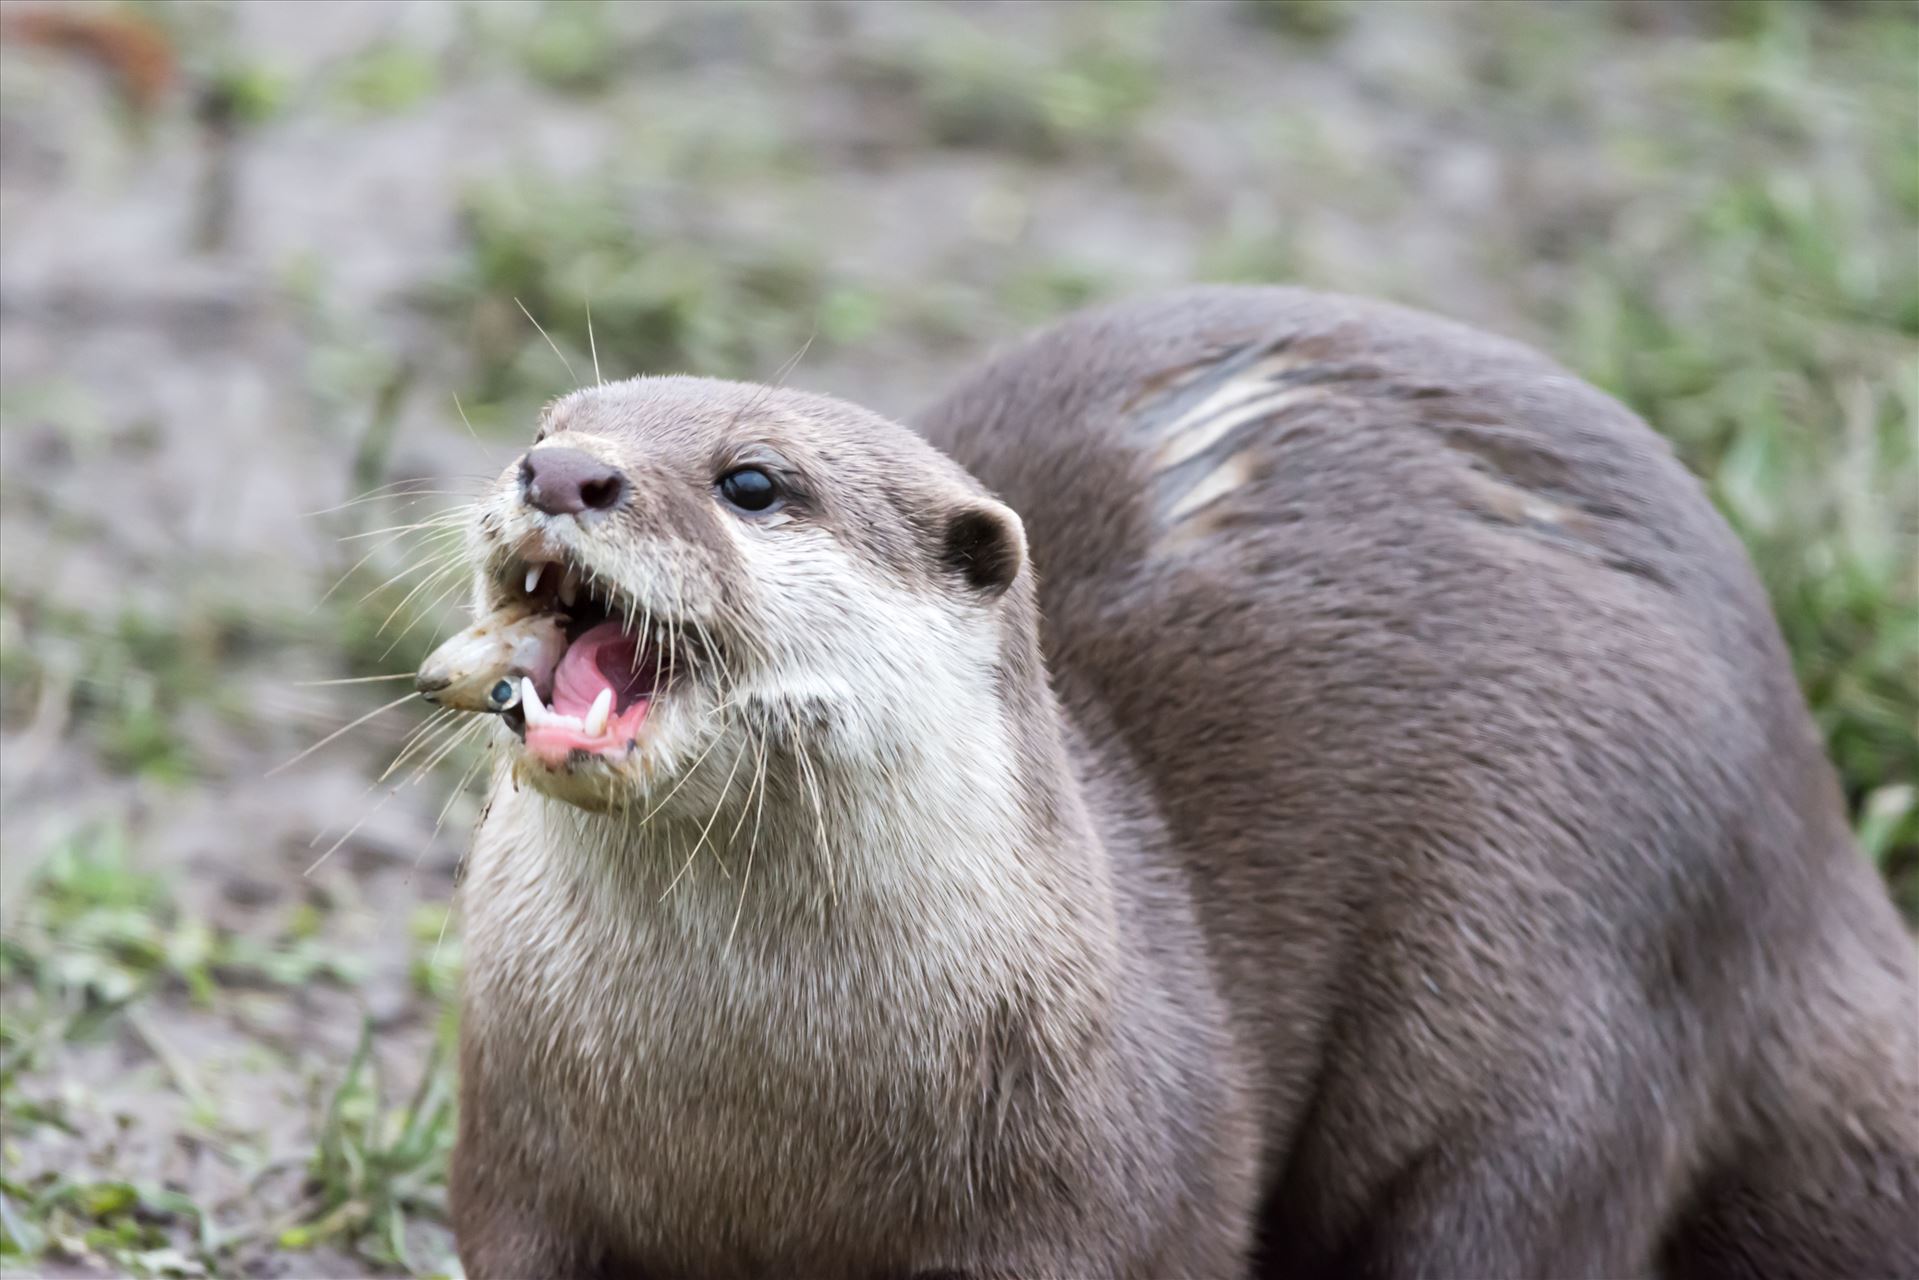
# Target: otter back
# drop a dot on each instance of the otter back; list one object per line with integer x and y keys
{"x": 1515, "y": 850}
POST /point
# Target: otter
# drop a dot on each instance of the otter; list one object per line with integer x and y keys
{"x": 1258, "y": 784}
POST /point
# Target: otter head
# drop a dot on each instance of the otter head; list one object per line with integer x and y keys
{"x": 744, "y": 570}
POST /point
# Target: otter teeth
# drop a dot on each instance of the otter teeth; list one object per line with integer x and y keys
{"x": 569, "y": 587}
{"x": 539, "y": 715}
{"x": 533, "y": 572}
{"x": 536, "y": 712}
{"x": 597, "y": 716}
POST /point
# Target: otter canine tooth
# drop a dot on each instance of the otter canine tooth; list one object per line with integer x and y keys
{"x": 536, "y": 712}
{"x": 596, "y": 717}
{"x": 533, "y": 577}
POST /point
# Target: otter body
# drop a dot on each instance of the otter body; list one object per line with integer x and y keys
{"x": 1411, "y": 856}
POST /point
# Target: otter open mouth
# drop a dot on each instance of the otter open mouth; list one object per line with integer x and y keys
{"x": 595, "y": 699}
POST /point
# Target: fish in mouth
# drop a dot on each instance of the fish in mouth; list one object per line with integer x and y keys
{"x": 561, "y": 659}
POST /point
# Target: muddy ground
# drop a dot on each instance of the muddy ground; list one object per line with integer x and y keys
{"x": 262, "y": 259}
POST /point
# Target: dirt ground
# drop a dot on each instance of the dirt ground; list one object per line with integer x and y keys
{"x": 263, "y": 259}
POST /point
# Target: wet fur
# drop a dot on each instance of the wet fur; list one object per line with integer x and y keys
{"x": 1419, "y": 862}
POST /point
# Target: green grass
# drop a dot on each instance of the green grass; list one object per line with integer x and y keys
{"x": 99, "y": 933}
{"x": 126, "y": 678}
{"x": 377, "y": 1166}
{"x": 574, "y": 47}
{"x": 122, "y": 1223}
{"x": 975, "y": 87}
{"x": 662, "y": 298}
{"x": 97, "y": 941}
{"x": 387, "y": 78}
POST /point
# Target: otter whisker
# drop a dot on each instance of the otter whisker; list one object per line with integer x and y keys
{"x": 684, "y": 777}
{"x": 593, "y": 346}
{"x": 627, "y": 830}
{"x": 753, "y": 846}
{"x": 392, "y": 490}
{"x": 431, "y": 730}
{"x": 440, "y": 937}
{"x": 718, "y": 805}
{"x": 439, "y": 541}
{"x": 348, "y": 833}
{"x": 436, "y": 719}
{"x": 759, "y": 761}
{"x": 716, "y": 654}
{"x": 459, "y": 789}
{"x": 428, "y": 737}
{"x": 466, "y": 421}
{"x": 633, "y": 666}
{"x": 444, "y": 522}
{"x": 805, "y": 766}
{"x": 459, "y": 869}
{"x": 767, "y": 390}
{"x": 321, "y": 684}
{"x": 466, "y": 780}
{"x": 426, "y": 583}
{"x": 793, "y": 361}
{"x": 345, "y": 728}
{"x": 445, "y": 560}
{"x": 673, "y": 626}
{"x": 463, "y": 735}
{"x": 432, "y": 608}
{"x": 341, "y": 581}
{"x": 549, "y": 340}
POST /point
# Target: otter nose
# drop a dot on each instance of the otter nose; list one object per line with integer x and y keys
{"x": 561, "y": 481}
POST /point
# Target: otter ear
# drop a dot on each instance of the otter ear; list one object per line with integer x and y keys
{"x": 985, "y": 544}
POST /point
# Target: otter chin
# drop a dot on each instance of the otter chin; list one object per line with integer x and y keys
{"x": 1255, "y": 783}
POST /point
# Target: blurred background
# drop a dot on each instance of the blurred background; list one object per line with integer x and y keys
{"x": 265, "y": 260}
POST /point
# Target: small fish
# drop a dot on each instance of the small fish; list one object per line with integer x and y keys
{"x": 481, "y": 668}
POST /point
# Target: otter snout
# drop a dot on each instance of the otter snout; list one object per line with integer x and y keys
{"x": 562, "y": 481}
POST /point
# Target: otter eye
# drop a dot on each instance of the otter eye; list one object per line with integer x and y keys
{"x": 749, "y": 489}
{"x": 503, "y": 695}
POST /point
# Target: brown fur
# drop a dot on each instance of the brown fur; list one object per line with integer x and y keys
{"x": 1436, "y": 870}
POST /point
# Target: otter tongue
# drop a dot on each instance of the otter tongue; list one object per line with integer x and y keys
{"x": 603, "y": 658}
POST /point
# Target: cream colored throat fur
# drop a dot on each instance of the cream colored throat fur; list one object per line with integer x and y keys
{"x": 777, "y": 1007}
